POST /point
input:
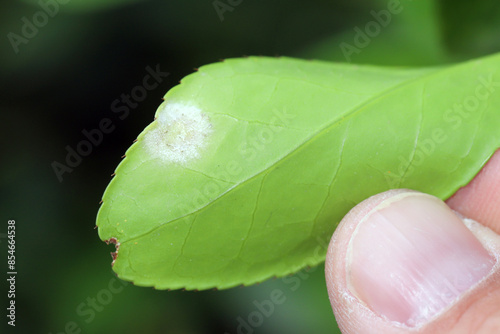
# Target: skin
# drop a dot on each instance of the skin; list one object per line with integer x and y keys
{"x": 476, "y": 312}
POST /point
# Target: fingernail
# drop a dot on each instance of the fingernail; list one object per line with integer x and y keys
{"x": 411, "y": 257}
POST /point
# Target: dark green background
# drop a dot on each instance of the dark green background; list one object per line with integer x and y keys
{"x": 63, "y": 81}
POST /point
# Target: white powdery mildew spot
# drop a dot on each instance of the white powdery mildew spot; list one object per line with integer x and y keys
{"x": 180, "y": 133}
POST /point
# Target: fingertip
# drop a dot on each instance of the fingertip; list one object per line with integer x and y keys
{"x": 351, "y": 315}
{"x": 403, "y": 261}
{"x": 480, "y": 199}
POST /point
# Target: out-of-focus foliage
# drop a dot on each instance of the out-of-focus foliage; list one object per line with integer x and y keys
{"x": 87, "y": 5}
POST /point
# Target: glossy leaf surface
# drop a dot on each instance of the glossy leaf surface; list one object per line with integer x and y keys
{"x": 251, "y": 163}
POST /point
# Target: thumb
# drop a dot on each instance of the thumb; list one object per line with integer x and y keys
{"x": 404, "y": 262}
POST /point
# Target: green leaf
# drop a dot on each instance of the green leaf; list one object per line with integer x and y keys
{"x": 251, "y": 163}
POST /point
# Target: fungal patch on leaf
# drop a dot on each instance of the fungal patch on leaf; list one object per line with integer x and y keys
{"x": 181, "y": 132}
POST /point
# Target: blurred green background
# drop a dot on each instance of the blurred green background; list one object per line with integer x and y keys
{"x": 61, "y": 77}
